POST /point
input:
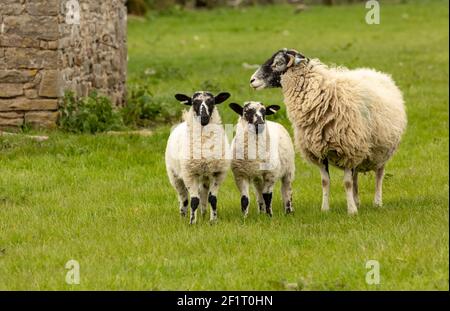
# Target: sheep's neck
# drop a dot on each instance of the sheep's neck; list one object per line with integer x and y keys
{"x": 307, "y": 91}
{"x": 204, "y": 139}
{"x": 253, "y": 144}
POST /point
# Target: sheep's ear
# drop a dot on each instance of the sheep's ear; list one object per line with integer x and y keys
{"x": 272, "y": 109}
{"x": 221, "y": 97}
{"x": 236, "y": 108}
{"x": 184, "y": 99}
{"x": 299, "y": 57}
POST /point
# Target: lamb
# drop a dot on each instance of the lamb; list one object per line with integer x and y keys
{"x": 352, "y": 119}
{"x": 262, "y": 153}
{"x": 197, "y": 154}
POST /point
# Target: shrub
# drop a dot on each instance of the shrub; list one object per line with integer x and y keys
{"x": 143, "y": 110}
{"x": 137, "y": 7}
{"x": 90, "y": 114}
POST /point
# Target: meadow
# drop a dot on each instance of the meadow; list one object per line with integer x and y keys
{"x": 106, "y": 202}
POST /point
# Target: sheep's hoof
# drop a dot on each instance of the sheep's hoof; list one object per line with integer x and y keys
{"x": 352, "y": 212}
{"x": 192, "y": 221}
{"x": 269, "y": 212}
{"x": 289, "y": 210}
{"x": 213, "y": 221}
{"x": 378, "y": 204}
{"x": 325, "y": 208}
{"x": 262, "y": 208}
{"x": 182, "y": 213}
{"x": 245, "y": 212}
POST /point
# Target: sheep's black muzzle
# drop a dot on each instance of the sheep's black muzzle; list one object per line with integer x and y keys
{"x": 204, "y": 120}
{"x": 259, "y": 128}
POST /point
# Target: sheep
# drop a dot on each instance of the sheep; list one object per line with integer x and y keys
{"x": 352, "y": 119}
{"x": 197, "y": 154}
{"x": 262, "y": 154}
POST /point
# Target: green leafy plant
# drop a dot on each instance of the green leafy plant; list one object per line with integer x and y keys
{"x": 143, "y": 109}
{"x": 90, "y": 114}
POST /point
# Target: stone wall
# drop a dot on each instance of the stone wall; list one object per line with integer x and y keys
{"x": 50, "y": 46}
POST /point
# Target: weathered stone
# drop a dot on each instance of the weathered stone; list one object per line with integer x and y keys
{"x": 46, "y": 119}
{"x": 11, "y": 7}
{"x": 43, "y": 45}
{"x": 49, "y": 86}
{"x": 18, "y": 58}
{"x": 17, "y": 76}
{"x": 42, "y": 54}
{"x": 11, "y": 89}
{"x": 11, "y": 115}
{"x": 99, "y": 82}
{"x": 37, "y": 27}
{"x": 42, "y": 7}
{"x": 5, "y": 123}
{"x": 53, "y": 45}
{"x": 31, "y": 93}
{"x": 26, "y": 104}
{"x": 35, "y": 82}
{"x": 11, "y": 119}
{"x": 13, "y": 40}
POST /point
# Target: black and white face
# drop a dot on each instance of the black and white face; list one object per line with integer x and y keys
{"x": 254, "y": 113}
{"x": 203, "y": 103}
{"x": 269, "y": 74}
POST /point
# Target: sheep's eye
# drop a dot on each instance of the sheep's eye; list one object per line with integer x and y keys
{"x": 277, "y": 63}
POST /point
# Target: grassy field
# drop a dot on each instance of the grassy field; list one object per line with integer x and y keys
{"x": 106, "y": 201}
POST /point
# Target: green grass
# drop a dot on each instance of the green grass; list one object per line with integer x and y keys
{"x": 106, "y": 201}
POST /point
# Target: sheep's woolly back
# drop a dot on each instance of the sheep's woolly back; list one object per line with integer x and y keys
{"x": 271, "y": 151}
{"x": 193, "y": 149}
{"x": 355, "y": 118}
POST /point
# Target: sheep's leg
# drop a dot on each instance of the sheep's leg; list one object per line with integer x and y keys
{"x": 182, "y": 192}
{"x": 204, "y": 190}
{"x": 269, "y": 182}
{"x": 286, "y": 192}
{"x": 355, "y": 187}
{"x": 325, "y": 176}
{"x": 259, "y": 196}
{"x": 243, "y": 185}
{"x": 193, "y": 189}
{"x": 216, "y": 181}
{"x": 348, "y": 184}
{"x": 378, "y": 201}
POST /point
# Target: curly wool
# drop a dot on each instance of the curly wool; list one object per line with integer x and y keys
{"x": 195, "y": 150}
{"x": 354, "y": 118}
{"x": 278, "y": 153}
{"x": 211, "y": 147}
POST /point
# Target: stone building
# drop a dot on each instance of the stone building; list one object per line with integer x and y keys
{"x": 50, "y": 46}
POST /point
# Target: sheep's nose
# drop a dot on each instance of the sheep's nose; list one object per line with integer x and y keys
{"x": 259, "y": 128}
{"x": 204, "y": 121}
{"x": 252, "y": 80}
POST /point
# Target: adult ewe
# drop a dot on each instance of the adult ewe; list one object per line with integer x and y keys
{"x": 197, "y": 153}
{"x": 353, "y": 119}
{"x": 262, "y": 154}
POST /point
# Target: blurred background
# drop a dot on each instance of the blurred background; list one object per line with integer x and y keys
{"x": 141, "y": 7}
